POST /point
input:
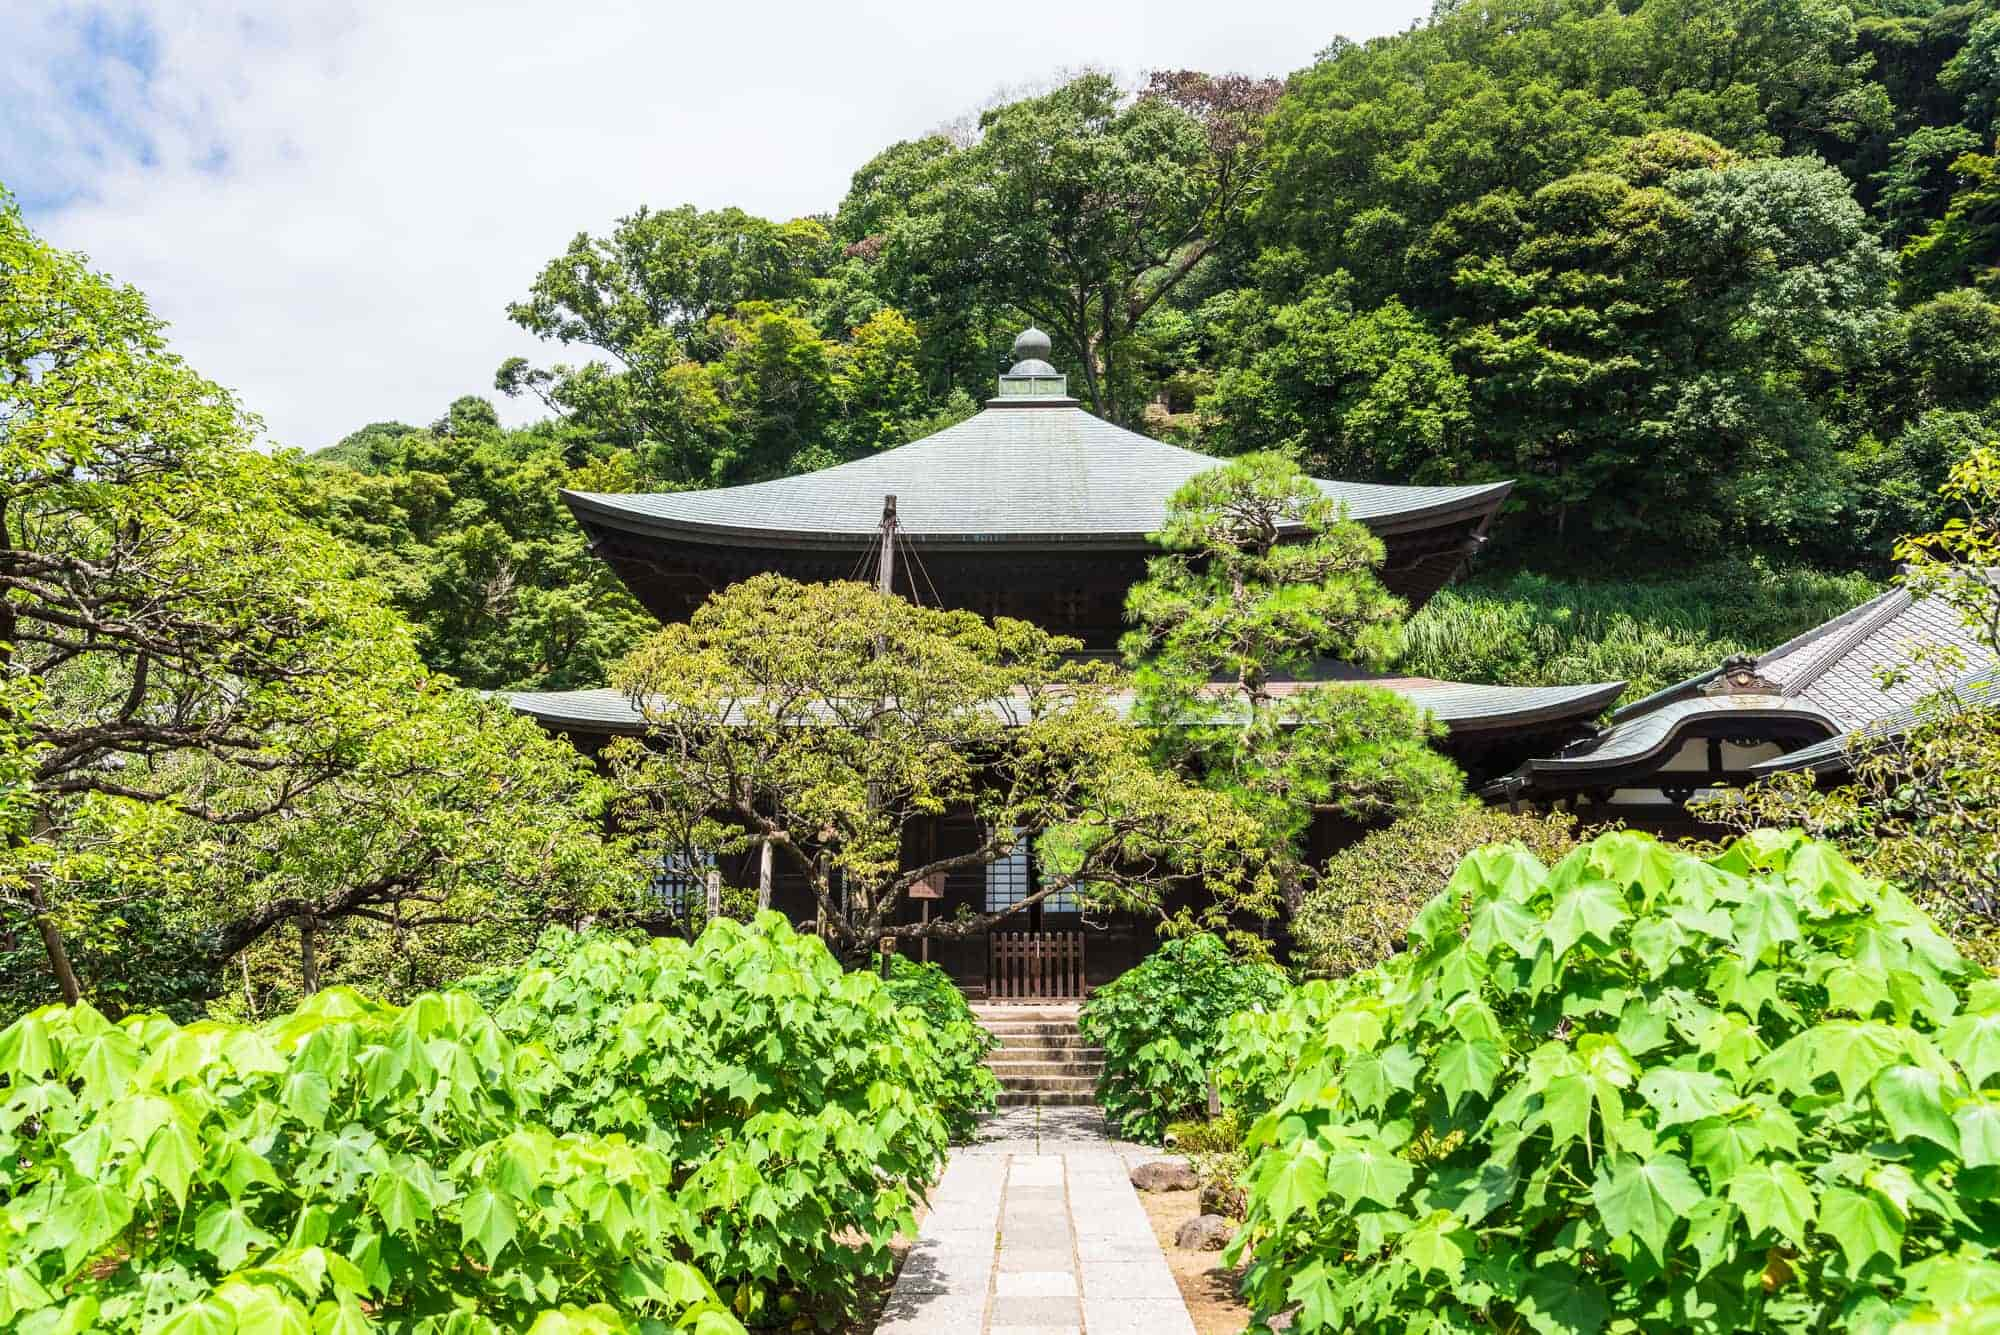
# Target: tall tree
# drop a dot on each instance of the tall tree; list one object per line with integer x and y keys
{"x": 192, "y": 676}
{"x": 823, "y": 721}
{"x": 1263, "y": 578}
{"x": 1082, "y": 209}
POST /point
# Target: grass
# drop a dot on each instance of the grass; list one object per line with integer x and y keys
{"x": 1524, "y": 629}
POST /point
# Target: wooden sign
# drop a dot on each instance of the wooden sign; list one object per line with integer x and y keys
{"x": 931, "y": 887}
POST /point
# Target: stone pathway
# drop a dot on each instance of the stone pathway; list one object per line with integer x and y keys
{"x": 1035, "y": 1230}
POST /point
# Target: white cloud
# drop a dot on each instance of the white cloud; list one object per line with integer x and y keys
{"x": 392, "y": 172}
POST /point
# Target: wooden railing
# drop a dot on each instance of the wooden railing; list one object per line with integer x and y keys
{"x": 1036, "y": 966}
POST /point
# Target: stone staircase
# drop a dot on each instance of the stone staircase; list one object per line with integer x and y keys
{"x": 1042, "y": 1059}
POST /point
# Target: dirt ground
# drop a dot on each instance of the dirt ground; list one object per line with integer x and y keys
{"x": 1207, "y": 1288}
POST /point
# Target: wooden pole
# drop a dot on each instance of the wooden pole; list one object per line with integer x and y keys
{"x": 764, "y": 877}
{"x": 885, "y": 565}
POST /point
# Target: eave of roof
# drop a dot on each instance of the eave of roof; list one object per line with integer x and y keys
{"x": 1462, "y": 707}
{"x": 1657, "y": 733}
{"x": 1026, "y": 475}
{"x": 1836, "y": 755}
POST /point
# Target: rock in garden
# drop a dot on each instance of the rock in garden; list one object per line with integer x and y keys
{"x": 1205, "y": 1233}
{"x": 1165, "y": 1175}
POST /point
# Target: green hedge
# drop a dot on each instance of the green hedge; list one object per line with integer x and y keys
{"x": 1645, "y": 1090}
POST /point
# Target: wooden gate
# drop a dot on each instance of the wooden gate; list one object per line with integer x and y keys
{"x": 1036, "y": 966}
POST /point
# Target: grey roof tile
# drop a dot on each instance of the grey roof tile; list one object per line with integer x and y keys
{"x": 1460, "y": 705}
{"x": 1040, "y": 473}
{"x": 1977, "y": 690}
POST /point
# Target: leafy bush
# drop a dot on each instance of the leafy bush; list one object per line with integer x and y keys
{"x": 1359, "y": 909}
{"x": 351, "y": 1167}
{"x": 1160, "y": 1025}
{"x": 796, "y": 1103}
{"x": 1645, "y": 1090}
{"x": 968, "y": 1088}
{"x": 1531, "y": 630}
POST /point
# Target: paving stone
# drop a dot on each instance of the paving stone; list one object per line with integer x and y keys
{"x": 932, "y": 1313}
{"x": 1130, "y": 1279}
{"x": 1137, "y": 1316}
{"x": 1025, "y": 1311}
{"x": 1034, "y": 1284}
{"x": 1033, "y": 1256}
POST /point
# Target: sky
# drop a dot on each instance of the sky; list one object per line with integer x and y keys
{"x": 332, "y": 201}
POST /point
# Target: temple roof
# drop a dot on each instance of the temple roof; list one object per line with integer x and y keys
{"x": 1035, "y": 473}
{"x": 1462, "y": 707}
{"x": 1827, "y": 684}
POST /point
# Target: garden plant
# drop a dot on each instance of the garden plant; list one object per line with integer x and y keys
{"x": 1161, "y": 1026}
{"x": 1642, "y": 1090}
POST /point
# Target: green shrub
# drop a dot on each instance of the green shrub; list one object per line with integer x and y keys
{"x": 1530, "y": 630}
{"x": 350, "y": 1167}
{"x": 1643, "y": 1091}
{"x": 967, "y": 1087}
{"x": 796, "y": 1102}
{"x": 1160, "y": 1025}
{"x": 1360, "y": 907}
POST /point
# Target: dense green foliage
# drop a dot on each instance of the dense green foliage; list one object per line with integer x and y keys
{"x": 800, "y": 1108}
{"x": 1228, "y": 611}
{"x": 1526, "y": 629}
{"x": 1160, "y": 1024}
{"x": 472, "y": 542}
{"x": 824, "y": 721}
{"x": 212, "y": 725}
{"x": 350, "y": 1167}
{"x": 1644, "y": 1089}
{"x": 1358, "y": 911}
{"x": 623, "y": 1129}
{"x": 968, "y": 1088}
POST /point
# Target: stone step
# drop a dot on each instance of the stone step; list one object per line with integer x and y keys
{"x": 1032, "y": 1029}
{"x": 1044, "y": 1098}
{"x": 1008, "y": 1070}
{"x": 1054, "y": 1084}
{"x": 1026, "y": 1048}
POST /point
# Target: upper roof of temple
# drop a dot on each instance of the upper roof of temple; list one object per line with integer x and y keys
{"x": 1032, "y": 468}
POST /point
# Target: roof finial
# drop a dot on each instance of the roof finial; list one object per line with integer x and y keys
{"x": 1032, "y": 380}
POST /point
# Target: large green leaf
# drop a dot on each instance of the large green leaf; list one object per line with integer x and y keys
{"x": 1593, "y": 908}
{"x": 487, "y": 1218}
{"x": 1467, "y": 1067}
{"x": 1912, "y": 1103}
{"x": 1367, "y": 1172}
{"x": 1862, "y": 1223}
{"x": 1680, "y": 1095}
{"x": 1645, "y": 1197}
{"x": 1773, "y": 1198}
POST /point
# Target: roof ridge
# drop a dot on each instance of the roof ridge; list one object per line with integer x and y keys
{"x": 1862, "y": 622}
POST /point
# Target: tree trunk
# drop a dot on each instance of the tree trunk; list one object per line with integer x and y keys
{"x": 309, "y": 954}
{"x": 52, "y": 942}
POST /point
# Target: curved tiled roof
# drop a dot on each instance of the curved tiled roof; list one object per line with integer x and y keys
{"x": 1831, "y": 677}
{"x": 1035, "y": 474}
{"x": 1460, "y": 706}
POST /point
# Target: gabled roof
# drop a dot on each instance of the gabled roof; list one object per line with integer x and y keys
{"x": 1826, "y": 681}
{"x": 1035, "y": 473}
{"x": 1975, "y": 690}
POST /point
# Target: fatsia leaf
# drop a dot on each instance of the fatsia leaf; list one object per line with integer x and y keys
{"x": 402, "y": 1203}
{"x": 1289, "y": 1183}
{"x": 1774, "y": 1198}
{"x": 1644, "y": 1197}
{"x": 1557, "y": 1300}
{"x": 1973, "y": 1041}
{"x": 1912, "y": 1103}
{"x": 487, "y": 1218}
{"x": 1439, "y": 1244}
{"x": 226, "y": 1232}
{"x": 1685, "y": 1096}
{"x": 1763, "y": 920}
{"x": 1978, "y": 1133}
{"x": 1364, "y": 1171}
{"x": 172, "y": 1157}
{"x": 1593, "y": 908}
{"x": 1862, "y": 1223}
{"x": 1497, "y": 921}
{"x": 1467, "y": 1066}
{"x": 1722, "y": 1146}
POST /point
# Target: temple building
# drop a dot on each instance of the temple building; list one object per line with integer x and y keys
{"x": 1038, "y": 510}
{"x": 1812, "y": 704}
